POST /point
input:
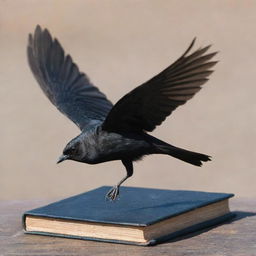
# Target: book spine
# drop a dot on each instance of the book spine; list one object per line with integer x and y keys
{"x": 24, "y": 221}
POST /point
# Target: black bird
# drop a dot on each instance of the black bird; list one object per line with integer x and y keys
{"x": 117, "y": 132}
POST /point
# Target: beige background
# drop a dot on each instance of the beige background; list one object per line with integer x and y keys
{"x": 120, "y": 44}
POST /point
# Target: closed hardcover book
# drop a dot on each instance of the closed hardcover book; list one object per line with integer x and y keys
{"x": 141, "y": 216}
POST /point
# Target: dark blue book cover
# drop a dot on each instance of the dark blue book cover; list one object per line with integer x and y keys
{"x": 138, "y": 207}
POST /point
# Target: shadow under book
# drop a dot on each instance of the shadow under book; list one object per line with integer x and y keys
{"x": 141, "y": 216}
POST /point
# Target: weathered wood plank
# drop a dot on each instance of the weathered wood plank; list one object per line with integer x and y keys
{"x": 235, "y": 238}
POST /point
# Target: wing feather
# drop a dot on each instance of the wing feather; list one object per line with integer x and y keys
{"x": 149, "y": 104}
{"x": 60, "y": 79}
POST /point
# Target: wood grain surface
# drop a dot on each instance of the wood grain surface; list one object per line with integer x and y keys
{"x": 236, "y": 237}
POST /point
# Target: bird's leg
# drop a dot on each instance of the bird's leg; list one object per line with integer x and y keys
{"x": 114, "y": 192}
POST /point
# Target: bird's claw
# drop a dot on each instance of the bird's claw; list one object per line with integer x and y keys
{"x": 113, "y": 194}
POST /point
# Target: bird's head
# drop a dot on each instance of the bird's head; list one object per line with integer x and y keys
{"x": 72, "y": 151}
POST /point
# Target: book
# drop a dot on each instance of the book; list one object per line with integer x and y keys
{"x": 141, "y": 216}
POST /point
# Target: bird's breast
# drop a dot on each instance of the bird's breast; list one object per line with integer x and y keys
{"x": 107, "y": 146}
{"x": 114, "y": 146}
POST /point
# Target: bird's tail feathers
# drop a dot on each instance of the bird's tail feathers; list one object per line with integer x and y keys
{"x": 183, "y": 154}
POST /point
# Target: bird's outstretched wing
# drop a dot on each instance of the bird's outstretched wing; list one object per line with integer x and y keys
{"x": 149, "y": 104}
{"x": 62, "y": 82}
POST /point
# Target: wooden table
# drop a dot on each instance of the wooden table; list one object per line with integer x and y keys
{"x": 234, "y": 238}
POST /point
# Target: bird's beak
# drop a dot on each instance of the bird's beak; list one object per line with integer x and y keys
{"x": 62, "y": 158}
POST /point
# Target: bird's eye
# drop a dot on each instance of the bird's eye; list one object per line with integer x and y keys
{"x": 69, "y": 151}
{"x": 72, "y": 150}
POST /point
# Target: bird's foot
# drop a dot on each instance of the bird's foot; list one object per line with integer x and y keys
{"x": 113, "y": 193}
